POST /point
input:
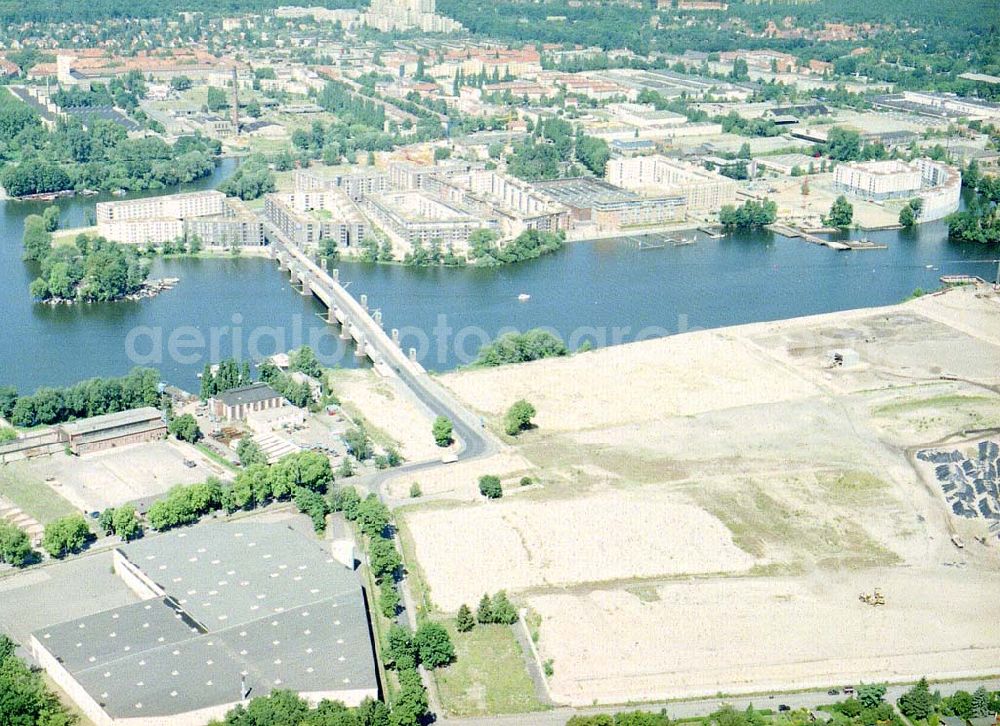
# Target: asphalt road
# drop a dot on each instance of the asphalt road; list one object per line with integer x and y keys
{"x": 705, "y": 706}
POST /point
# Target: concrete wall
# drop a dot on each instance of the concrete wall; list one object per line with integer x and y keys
{"x": 68, "y": 683}
{"x": 37, "y": 443}
{"x": 135, "y": 578}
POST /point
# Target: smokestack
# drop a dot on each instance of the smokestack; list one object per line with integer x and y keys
{"x": 236, "y": 104}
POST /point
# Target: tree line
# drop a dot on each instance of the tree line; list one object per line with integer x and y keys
{"x": 88, "y": 269}
{"x": 93, "y": 397}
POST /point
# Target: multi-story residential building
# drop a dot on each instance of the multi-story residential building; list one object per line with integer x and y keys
{"x": 406, "y": 176}
{"x": 413, "y": 217}
{"x": 354, "y": 182}
{"x": 173, "y": 206}
{"x": 210, "y": 216}
{"x": 938, "y": 185}
{"x": 389, "y": 15}
{"x": 878, "y": 180}
{"x": 514, "y": 205}
{"x": 701, "y": 189}
{"x": 306, "y": 218}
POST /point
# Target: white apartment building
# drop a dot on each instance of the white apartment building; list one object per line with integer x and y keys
{"x": 415, "y": 217}
{"x": 701, "y": 189}
{"x": 892, "y": 179}
{"x": 171, "y": 206}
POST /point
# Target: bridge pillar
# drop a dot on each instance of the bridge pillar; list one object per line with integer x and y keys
{"x": 377, "y": 317}
{"x": 359, "y": 349}
{"x": 282, "y": 262}
{"x": 306, "y": 290}
{"x": 345, "y": 330}
{"x": 413, "y": 354}
{"x": 335, "y": 274}
{"x": 395, "y": 336}
{"x": 364, "y": 301}
{"x": 331, "y": 317}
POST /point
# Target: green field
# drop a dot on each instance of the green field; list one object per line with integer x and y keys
{"x": 489, "y": 675}
{"x": 31, "y": 494}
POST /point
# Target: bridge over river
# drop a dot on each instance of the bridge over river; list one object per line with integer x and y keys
{"x": 365, "y": 328}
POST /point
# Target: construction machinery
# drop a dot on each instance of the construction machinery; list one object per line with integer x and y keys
{"x": 872, "y": 598}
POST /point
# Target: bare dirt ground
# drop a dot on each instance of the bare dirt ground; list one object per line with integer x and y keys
{"x": 389, "y": 409}
{"x": 104, "y": 479}
{"x": 712, "y": 504}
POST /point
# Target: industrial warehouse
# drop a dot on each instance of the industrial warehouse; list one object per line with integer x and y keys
{"x": 226, "y": 612}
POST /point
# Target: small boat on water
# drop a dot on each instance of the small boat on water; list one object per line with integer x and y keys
{"x": 88, "y": 192}
{"x": 119, "y": 192}
{"x": 524, "y": 297}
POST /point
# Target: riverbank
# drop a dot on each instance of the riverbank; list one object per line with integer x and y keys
{"x": 791, "y": 460}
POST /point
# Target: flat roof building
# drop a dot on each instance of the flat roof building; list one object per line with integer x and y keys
{"x": 596, "y": 203}
{"x": 307, "y": 217}
{"x": 210, "y": 216}
{"x": 109, "y": 430}
{"x": 225, "y": 611}
{"x": 413, "y": 218}
{"x": 701, "y": 189}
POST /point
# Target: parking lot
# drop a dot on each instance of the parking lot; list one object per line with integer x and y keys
{"x": 104, "y": 479}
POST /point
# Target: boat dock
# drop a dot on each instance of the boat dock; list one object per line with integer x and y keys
{"x": 839, "y": 245}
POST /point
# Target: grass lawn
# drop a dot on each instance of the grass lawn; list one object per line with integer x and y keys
{"x": 488, "y": 676}
{"x": 25, "y": 490}
{"x": 211, "y": 454}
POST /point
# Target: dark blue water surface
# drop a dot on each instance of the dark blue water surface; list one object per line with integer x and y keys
{"x": 605, "y": 292}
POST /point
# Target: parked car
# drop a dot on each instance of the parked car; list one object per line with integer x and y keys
{"x": 784, "y": 707}
{"x": 833, "y": 692}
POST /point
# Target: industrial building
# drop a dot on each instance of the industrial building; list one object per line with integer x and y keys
{"x": 224, "y": 612}
{"x": 236, "y": 403}
{"x": 98, "y": 433}
{"x": 702, "y": 190}
{"x": 306, "y": 218}
{"x": 210, "y": 216}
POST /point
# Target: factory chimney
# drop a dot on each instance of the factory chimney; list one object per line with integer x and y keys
{"x": 236, "y": 104}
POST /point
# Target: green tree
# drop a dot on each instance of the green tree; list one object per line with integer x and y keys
{"x": 50, "y": 216}
{"x": 434, "y": 646}
{"x": 489, "y": 486}
{"x": 184, "y": 428}
{"x": 314, "y": 505}
{"x": 125, "y": 522}
{"x": 503, "y": 611}
{"x": 917, "y": 703}
{"x": 442, "y": 431}
{"x": 216, "y": 100}
{"x": 66, "y": 535}
{"x": 400, "y": 649}
{"x": 388, "y": 598}
{"x": 384, "y": 559}
{"x": 304, "y": 360}
{"x": 980, "y": 705}
{"x": 871, "y": 694}
{"x": 249, "y": 452}
{"x": 358, "y": 443}
{"x": 37, "y": 240}
{"x": 841, "y": 213}
{"x": 518, "y": 417}
{"x": 464, "y": 621}
{"x": 15, "y": 547}
{"x": 484, "y": 613}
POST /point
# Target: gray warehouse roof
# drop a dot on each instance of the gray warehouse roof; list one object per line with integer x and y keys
{"x": 253, "y": 600}
{"x": 253, "y": 393}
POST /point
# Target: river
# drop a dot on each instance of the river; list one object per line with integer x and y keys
{"x": 600, "y": 292}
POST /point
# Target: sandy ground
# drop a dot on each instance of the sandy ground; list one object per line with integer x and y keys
{"x": 104, "y": 479}
{"x": 564, "y": 542}
{"x": 461, "y": 479}
{"x": 667, "y": 466}
{"x": 389, "y": 408}
{"x": 761, "y": 634}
